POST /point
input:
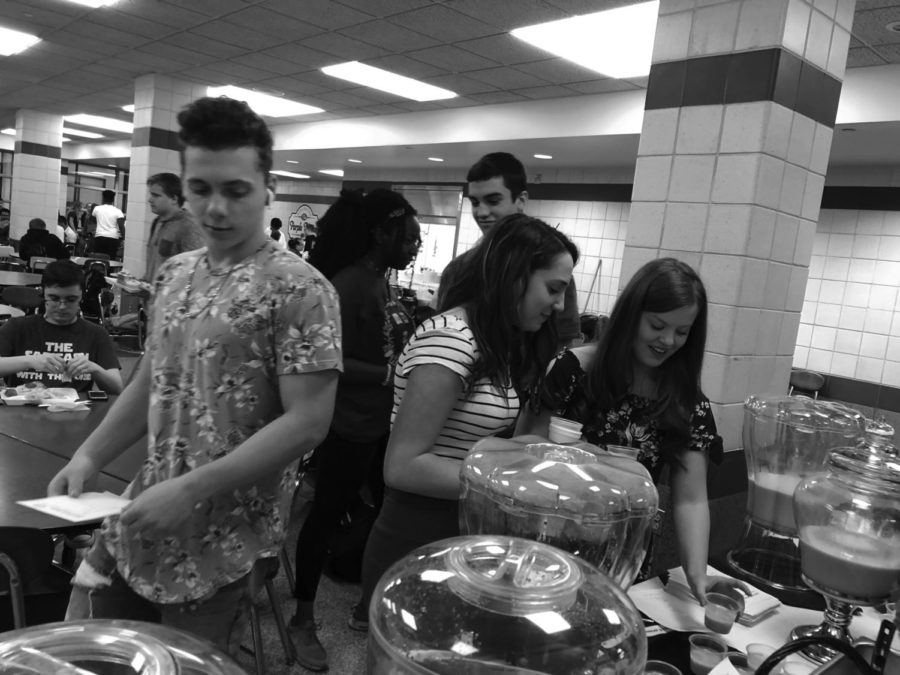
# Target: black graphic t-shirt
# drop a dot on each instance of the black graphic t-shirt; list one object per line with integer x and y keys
{"x": 375, "y": 328}
{"x": 27, "y": 335}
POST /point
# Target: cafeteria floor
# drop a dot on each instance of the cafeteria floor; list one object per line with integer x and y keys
{"x": 346, "y": 648}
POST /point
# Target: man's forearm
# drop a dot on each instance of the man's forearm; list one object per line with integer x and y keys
{"x": 9, "y": 365}
{"x": 109, "y": 380}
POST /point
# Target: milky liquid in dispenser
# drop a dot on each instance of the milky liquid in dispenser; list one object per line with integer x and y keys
{"x": 496, "y": 605}
{"x": 786, "y": 439}
{"x": 597, "y": 506}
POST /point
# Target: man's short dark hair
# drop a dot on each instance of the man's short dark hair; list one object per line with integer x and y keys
{"x": 62, "y": 273}
{"x": 170, "y": 184}
{"x": 108, "y": 196}
{"x": 223, "y": 123}
{"x": 501, "y": 164}
{"x": 37, "y": 224}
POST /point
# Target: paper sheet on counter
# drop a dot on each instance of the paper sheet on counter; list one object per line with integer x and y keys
{"x": 88, "y": 507}
{"x": 674, "y": 613}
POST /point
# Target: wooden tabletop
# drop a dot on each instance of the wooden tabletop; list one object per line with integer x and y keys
{"x": 61, "y": 433}
{"x": 12, "y": 311}
{"x": 25, "y": 472}
{"x": 8, "y": 278}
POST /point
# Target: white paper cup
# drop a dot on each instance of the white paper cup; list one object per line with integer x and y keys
{"x": 564, "y": 431}
{"x": 623, "y": 451}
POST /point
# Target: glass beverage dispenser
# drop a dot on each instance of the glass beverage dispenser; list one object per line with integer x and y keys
{"x": 495, "y": 605}
{"x": 596, "y": 506}
{"x": 786, "y": 439}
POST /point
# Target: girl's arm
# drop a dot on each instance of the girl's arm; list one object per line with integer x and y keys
{"x": 431, "y": 393}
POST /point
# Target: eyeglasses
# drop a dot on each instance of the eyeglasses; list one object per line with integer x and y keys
{"x": 68, "y": 300}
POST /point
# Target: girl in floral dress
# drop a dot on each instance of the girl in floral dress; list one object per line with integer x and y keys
{"x": 641, "y": 388}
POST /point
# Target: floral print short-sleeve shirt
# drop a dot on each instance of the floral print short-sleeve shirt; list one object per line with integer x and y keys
{"x": 215, "y": 362}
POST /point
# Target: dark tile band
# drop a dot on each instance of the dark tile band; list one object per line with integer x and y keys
{"x": 155, "y": 138}
{"x": 575, "y": 192}
{"x": 861, "y": 198}
{"x": 38, "y": 149}
{"x": 762, "y": 75}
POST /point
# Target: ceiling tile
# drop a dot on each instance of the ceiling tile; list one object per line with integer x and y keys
{"x": 279, "y": 27}
{"x": 241, "y": 74}
{"x": 458, "y": 102}
{"x": 204, "y": 45}
{"x": 208, "y": 76}
{"x": 559, "y": 71}
{"x": 293, "y": 87}
{"x": 322, "y": 13}
{"x": 869, "y": 26}
{"x": 873, "y": 4}
{"x": 506, "y": 78}
{"x": 84, "y": 32}
{"x": 491, "y": 97}
{"x": 300, "y": 55}
{"x": 389, "y": 36}
{"x": 343, "y": 48}
{"x": 164, "y": 13}
{"x": 509, "y": 15}
{"x": 113, "y": 20}
{"x": 233, "y": 34}
{"x": 460, "y": 84}
{"x": 382, "y": 8}
{"x": 346, "y": 98}
{"x": 504, "y": 49}
{"x": 578, "y": 7}
{"x": 601, "y": 86}
{"x": 443, "y": 24}
{"x": 452, "y": 59}
{"x": 384, "y": 109}
{"x": 267, "y": 63}
{"x": 862, "y": 57}
{"x": 212, "y": 9}
{"x": 30, "y": 17}
{"x": 549, "y": 91}
{"x": 153, "y": 61}
{"x": 404, "y": 65}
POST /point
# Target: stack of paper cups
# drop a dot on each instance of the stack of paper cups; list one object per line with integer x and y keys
{"x": 564, "y": 431}
{"x": 623, "y": 451}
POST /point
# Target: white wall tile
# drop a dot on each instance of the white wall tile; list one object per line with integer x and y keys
{"x": 873, "y": 346}
{"x": 878, "y": 321}
{"x": 844, "y": 365}
{"x": 823, "y": 338}
{"x": 891, "y": 374}
{"x": 848, "y": 341}
{"x": 869, "y": 370}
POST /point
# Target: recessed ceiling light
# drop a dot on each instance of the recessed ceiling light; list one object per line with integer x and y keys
{"x": 849, "y": 129}
{"x": 9, "y": 131}
{"x": 543, "y": 156}
{"x": 384, "y": 80}
{"x": 128, "y": 108}
{"x": 84, "y": 134}
{"x": 264, "y": 104}
{"x": 14, "y": 41}
{"x": 616, "y": 42}
{"x": 291, "y": 161}
{"x": 94, "y": 3}
{"x": 66, "y": 140}
{"x": 332, "y": 172}
{"x": 354, "y": 161}
{"x": 100, "y": 122}
{"x": 289, "y": 174}
{"x": 435, "y": 159}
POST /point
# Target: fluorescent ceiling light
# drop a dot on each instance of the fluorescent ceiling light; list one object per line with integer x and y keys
{"x": 84, "y": 134}
{"x": 93, "y": 3}
{"x": 100, "y": 122}
{"x": 616, "y": 42}
{"x": 291, "y": 161}
{"x": 332, "y": 172}
{"x": 264, "y": 104}
{"x": 384, "y": 80}
{"x": 66, "y": 140}
{"x": 354, "y": 161}
{"x": 9, "y": 131}
{"x": 128, "y": 108}
{"x": 13, "y": 41}
{"x": 435, "y": 159}
{"x": 543, "y": 156}
{"x": 289, "y": 174}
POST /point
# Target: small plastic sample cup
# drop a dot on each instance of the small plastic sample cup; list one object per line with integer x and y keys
{"x": 623, "y": 451}
{"x": 707, "y": 651}
{"x": 564, "y": 431}
{"x": 740, "y": 663}
{"x": 721, "y": 612}
{"x": 660, "y": 668}
{"x": 757, "y": 652}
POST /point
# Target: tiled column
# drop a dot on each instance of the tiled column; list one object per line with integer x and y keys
{"x": 737, "y": 130}
{"x": 154, "y": 149}
{"x": 36, "y": 165}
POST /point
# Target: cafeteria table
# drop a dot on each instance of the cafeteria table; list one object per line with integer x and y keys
{"x": 8, "y": 278}
{"x": 25, "y": 472}
{"x": 61, "y": 433}
{"x": 111, "y": 264}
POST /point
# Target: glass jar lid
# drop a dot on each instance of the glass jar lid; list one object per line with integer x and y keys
{"x": 876, "y": 466}
{"x": 806, "y": 414}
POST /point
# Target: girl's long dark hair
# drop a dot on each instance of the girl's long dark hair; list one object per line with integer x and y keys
{"x": 491, "y": 285}
{"x": 347, "y": 230}
{"x": 659, "y": 286}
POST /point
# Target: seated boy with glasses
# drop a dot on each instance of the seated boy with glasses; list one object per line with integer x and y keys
{"x": 59, "y": 348}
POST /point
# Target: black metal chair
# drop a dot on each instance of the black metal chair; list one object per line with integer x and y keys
{"x": 37, "y": 588}
{"x": 9, "y": 266}
{"x": 806, "y": 383}
{"x": 38, "y": 263}
{"x": 26, "y": 298}
{"x": 265, "y": 570}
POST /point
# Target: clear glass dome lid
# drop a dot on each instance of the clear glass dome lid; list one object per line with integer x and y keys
{"x": 494, "y": 604}
{"x": 804, "y": 413}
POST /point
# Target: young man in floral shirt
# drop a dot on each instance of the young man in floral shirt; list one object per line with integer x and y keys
{"x": 238, "y": 383}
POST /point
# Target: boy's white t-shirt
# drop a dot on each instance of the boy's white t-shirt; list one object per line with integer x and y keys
{"x": 107, "y": 217}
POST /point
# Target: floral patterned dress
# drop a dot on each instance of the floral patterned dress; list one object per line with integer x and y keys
{"x": 215, "y": 359}
{"x": 628, "y": 423}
